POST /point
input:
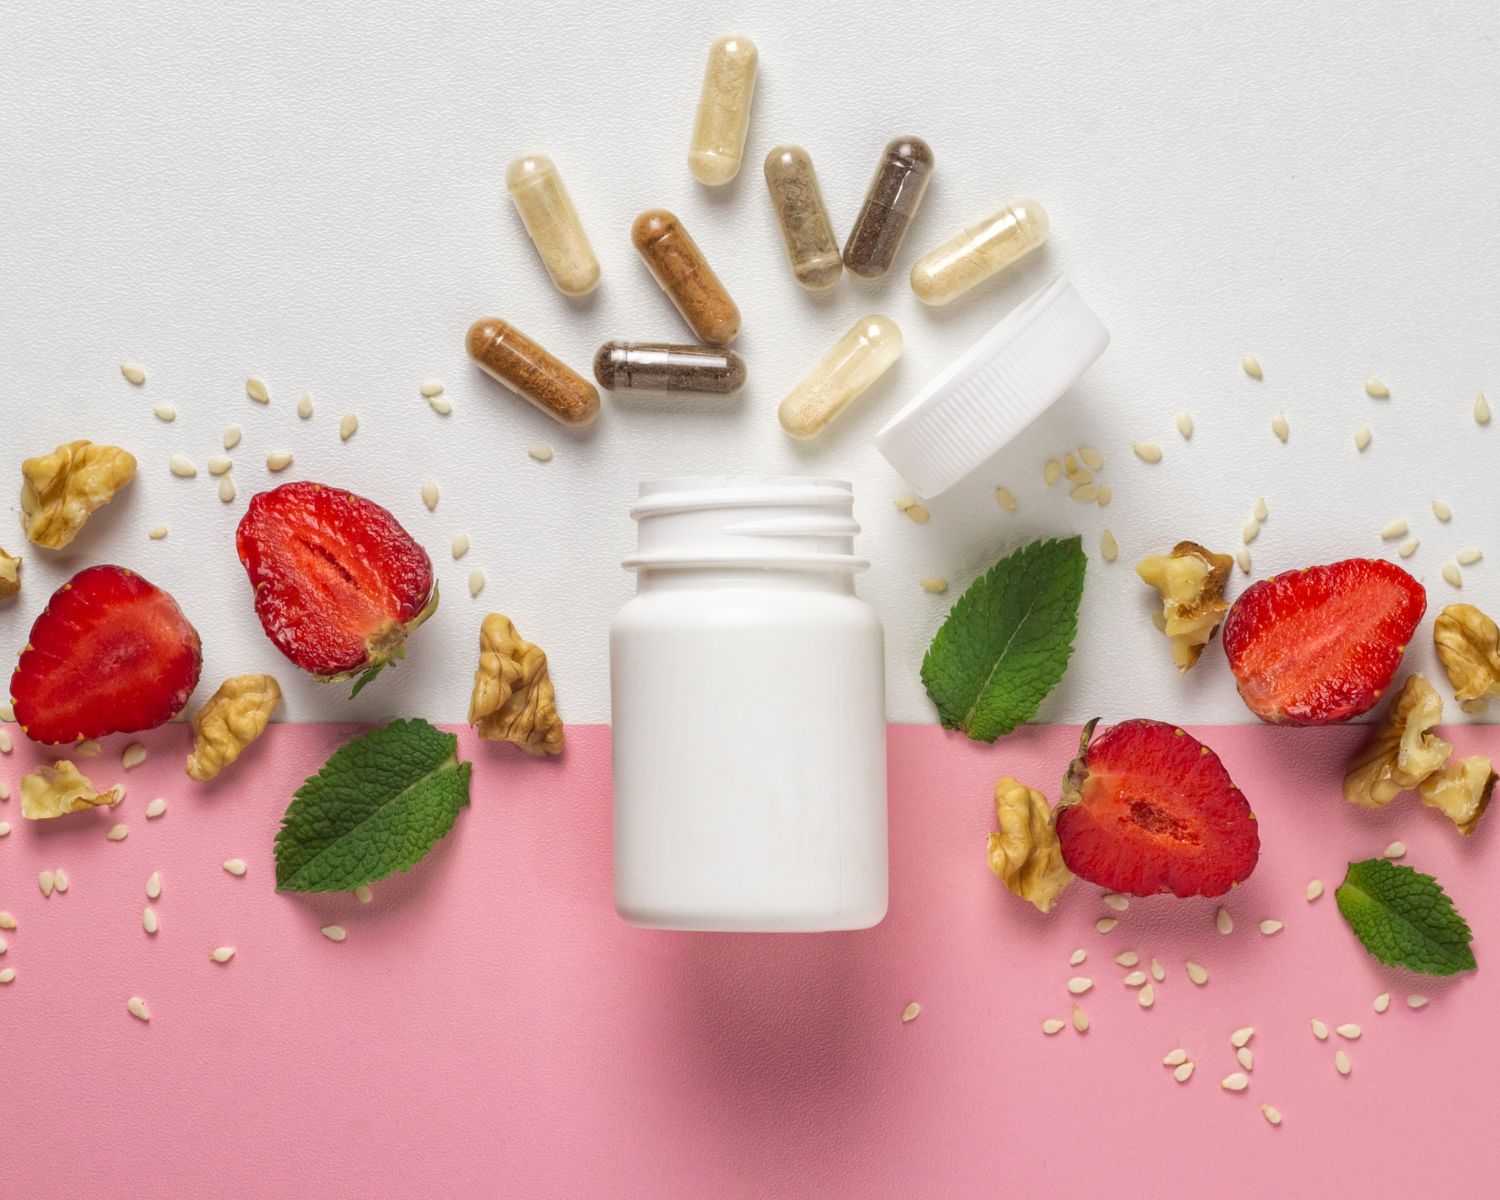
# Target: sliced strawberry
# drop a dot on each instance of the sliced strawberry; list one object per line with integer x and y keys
{"x": 110, "y": 653}
{"x": 1322, "y": 644}
{"x": 338, "y": 583}
{"x": 1147, "y": 809}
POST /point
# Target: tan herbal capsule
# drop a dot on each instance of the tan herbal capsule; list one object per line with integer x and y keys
{"x": 811, "y": 246}
{"x": 891, "y": 202}
{"x": 661, "y": 367}
{"x": 856, "y": 361}
{"x": 508, "y": 355}
{"x": 679, "y": 267}
{"x": 979, "y": 251}
{"x": 552, "y": 223}
{"x": 723, "y": 110}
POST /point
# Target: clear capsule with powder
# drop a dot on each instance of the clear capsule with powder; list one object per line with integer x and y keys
{"x": 979, "y": 251}
{"x": 811, "y": 247}
{"x": 663, "y": 367}
{"x": 890, "y": 204}
{"x": 723, "y": 110}
{"x": 552, "y": 223}
{"x": 842, "y": 375}
{"x": 679, "y": 267}
{"x": 521, "y": 364}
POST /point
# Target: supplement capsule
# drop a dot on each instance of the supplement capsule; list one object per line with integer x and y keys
{"x": 684, "y": 274}
{"x": 856, "y": 361}
{"x": 508, "y": 355}
{"x": 889, "y": 206}
{"x": 979, "y": 251}
{"x": 553, "y": 225}
{"x": 661, "y": 367}
{"x": 811, "y": 247}
{"x": 723, "y": 110}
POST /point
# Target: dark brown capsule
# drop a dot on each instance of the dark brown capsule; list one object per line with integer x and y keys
{"x": 662, "y": 367}
{"x": 508, "y": 355}
{"x": 895, "y": 192}
{"x": 679, "y": 267}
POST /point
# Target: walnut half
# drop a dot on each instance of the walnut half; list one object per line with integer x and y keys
{"x": 234, "y": 716}
{"x": 1462, "y": 789}
{"x": 10, "y": 574}
{"x": 513, "y": 700}
{"x": 1468, "y": 644}
{"x": 60, "y": 490}
{"x": 1025, "y": 853}
{"x": 60, "y": 789}
{"x": 1191, "y": 581}
{"x": 1404, "y": 751}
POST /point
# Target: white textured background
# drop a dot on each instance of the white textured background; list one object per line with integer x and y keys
{"x": 313, "y": 193}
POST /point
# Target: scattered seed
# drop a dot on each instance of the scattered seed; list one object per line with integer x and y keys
{"x": 4, "y": 828}
{"x": 88, "y": 749}
{"x": 1079, "y": 984}
{"x": 5, "y": 743}
{"x": 1080, "y": 1019}
{"x": 1341, "y": 1062}
{"x": 6, "y": 920}
{"x": 913, "y": 509}
{"x": 156, "y": 532}
{"x": 148, "y": 920}
{"x": 133, "y": 372}
{"x": 118, "y": 833}
{"x": 476, "y": 582}
{"x": 431, "y": 388}
{"x": 1481, "y": 409}
{"x": 1196, "y": 972}
{"x": 1416, "y": 1000}
{"x": 1146, "y": 997}
{"x": 1128, "y": 959}
{"x": 1052, "y": 1025}
{"x": 1468, "y": 557}
{"x": 363, "y": 893}
{"x": 1242, "y": 557}
{"x": 1106, "y": 494}
{"x": 1251, "y": 365}
{"x": 235, "y": 866}
{"x": 1362, "y": 437}
{"x": 278, "y": 460}
{"x": 304, "y": 406}
{"x": 936, "y": 585}
{"x": 182, "y": 467}
{"x": 153, "y": 886}
{"x": 1249, "y": 531}
{"x": 1246, "y": 1058}
{"x": 4, "y": 945}
{"x": 1280, "y": 428}
{"x": 541, "y": 452}
{"x": 256, "y": 390}
{"x": 1237, "y": 1082}
{"x": 1392, "y": 530}
{"x": 1109, "y": 549}
{"x": 910, "y": 1013}
{"x": 1147, "y": 452}
{"x": 1077, "y": 957}
{"x": 348, "y": 426}
{"x": 1158, "y": 972}
{"x": 1259, "y": 510}
{"x": 1223, "y": 921}
{"x": 136, "y": 1007}
{"x": 1452, "y": 575}
{"x": 1174, "y": 1058}
{"x": 219, "y": 464}
{"x": 1441, "y": 511}
{"x": 133, "y": 755}
{"x": 7, "y": 713}
{"x": 1349, "y": 1032}
{"x": 460, "y": 545}
{"x": 1409, "y": 547}
{"x": 440, "y": 405}
{"x": 1376, "y": 390}
{"x": 1184, "y": 1072}
{"x": 1105, "y": 924}
{"x": 1395, "y": 850}
{"x": 1271, "y": 1113}
{"x": 1241, "y": 1037}
{"x": 231, "y": 437}
{"x": 1006, "y": 499}
{"x": 226, "y": 490}
{"x": 8, "y": 975}
{"x": 1382, "y": 1002}
{"x": 1115, "y": 901}
{"x": 1271, "y": 928}
{"x": 60, "y": 879}
{"x": 1320, "y": 1030}
{"x": 335, "y": 933}
{"x": 1070, "y": 465}
{"x": 1052, "y": 471}
{"x": 1185, "y": 424}
{"x": 222, "y": 954}
{"x": 1135, "y": 979}
{"x": 46, "y": 881}
{"x": 1092, "y": 459}
{"x": 430, "y": 495}
{"x": 165, "y": 412}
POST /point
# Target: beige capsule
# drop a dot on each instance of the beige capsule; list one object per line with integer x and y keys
{"x": 723, "y": 117}
{"x": 552, "y": 223}
{"x": 811, "y": 247}
{"x": 505, "y": 353}
{"x": 856, "y": 361}
{"x": 679, "y": 267}
{"x": 979, "y": 251}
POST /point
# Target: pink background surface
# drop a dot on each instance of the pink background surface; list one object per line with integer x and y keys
{"x": 490, "y": 1027}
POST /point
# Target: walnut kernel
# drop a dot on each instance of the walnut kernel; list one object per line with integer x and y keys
{"x": 1191, "y": 581}
{"x": 233, "y": 717}
{"x": 62, "y": 788}
{"x": 1462, "y": 789}
{"x": 61, "y": 489}
{"x": 1468, "y": 645}
{"x": 1025, "y": 854}
{"x": 1404, "y": 752}
{"x": 513, "y": 699}
{"x": 10, "y": 574}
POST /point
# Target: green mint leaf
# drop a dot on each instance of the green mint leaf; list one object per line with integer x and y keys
{"x": 380, "y": 803}
{"x": 1007, "y": 641}
{"x": 1404, "y": 918}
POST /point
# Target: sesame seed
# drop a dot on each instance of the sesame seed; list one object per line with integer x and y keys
{"x": 133, "y": 755}
{"x": 1452, "y": 575}
{"x": 156, "y": 532}
{"x": 1185, "y": 424}
{"x": 1271, "y": 928}
{"x": 1077, "y": 957}
{"x": 1092, "y": 459}
{"x": 182, "y": 466}
{"x": 148, "y": 920}
{"x": 1135, "y": 979}
{"x": 136, "y": 1007}
{"x": 460, "y": 545}
{"x": 1115, "y": 901}
{"x": 1320, "y": 1030}
{"x": 4, "y": 945}
{"x": 1184, "y": 1072}
{"x": 1376, "y": 389}
{"x": 1251, "y": 366}
{"x": 1349, "y": 1032}
{"x": 430, "y": 495}
{"x": 1249, "y": 531}
{"x": 220, "y": 464}
{"x": 1362, "y": 437}
{"x": 278, "y": 460}
{"x": 1106, "y": 494}
{"x": 6, "y": 745}
{"x": 46, "y": 881}
{"x": 8, "y": 975}
{"x": 1052, "y": 1025}
{"x": 1259, "y": 511}
{"x": 1223, "y": 922}
{"x": 1245, "y": 1057}
{"x": 1441, "y": 511}
{"x": 1080, "y": 1019}
{"x": 1394, "y": 850}
{"x": 1314, "y": 889}
{"x": 1079, "y": 984}
{"x": 256, "y": 390}
{"x": 334, "y": 933}
{"x": 133, "y": 372}
{"x": 1392, "y": 530}
{"x": 431, "y": 387}
{"x": 348, "y": 426}
{"x": 1086, "y": 493}
{"x": 476, "y": 582}
{"x": 1006, "y": 499}
{"x": 917, "y": 512}
{"x": 165, "y": 412}
{"x": 1280, "y": 428}
{"x": 1052, "y": 471}
{"x": 1481, "y": 409}
{"x": 1105, "y": 924}
{"x": 1174, "y": 1058}
{"x": 1382, "y": 1002}
{"x": 1147, "y": 452}
{"x": 7, "y": 921}
{"x": 363, "y": 894}
{"x": 1341, "y": 1062}
{"x": 1409, "y": 547}
{"x": 1146, "y": 997}
{"x": 1070, "y": 465}
{"x": 226, "y": 489}
{"x": 1158, "y": 972}
{"x": 221, "y": 954}
{"x": 235, "y": 866}
{"x": 153, "y": 885}
{"x": 1237, "y": 1082}
{"x": 118, "y": 833}
{"x": 4, "y": 828}
{"x": 304, "y": 406}
{"x": 1109, "y": 549}
{"x": 440, "y": 405}
{"x": 231, "y": 437}
{"x": 155, "y": 808}
{"x": 1128, "y": 959}
{"x": 1468, "y": 557}
{"x": 7, "y": 713}
{"x": 910, "y": 1013}
{"x": 936, "y": 584}
{"x": 541, "y": 452}
{"x": 1197, "y": 973}
{"x": 1242, "y": 557}
{"x": 1241, "y": 1037}
{"x": 1416, "y": 1000}
{"x": 1271, "y": 1113}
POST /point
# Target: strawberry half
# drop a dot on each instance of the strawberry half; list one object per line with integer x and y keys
{"x": 1322, "y": 644}
{"x": 338, "y": 583}
{"x": 110, "y": 653}
{"x": 1147, "y": 809}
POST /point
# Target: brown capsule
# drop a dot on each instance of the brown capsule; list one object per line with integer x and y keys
{"x": 811, "y": 246}
{"x": 895, "y": 192}
{"x": 507, "y": 354}
{"x": 679, "y": 267}
{"x": 661, "y": 367}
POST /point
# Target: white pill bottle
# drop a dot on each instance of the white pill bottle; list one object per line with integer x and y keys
{"x": 748, "y": 693}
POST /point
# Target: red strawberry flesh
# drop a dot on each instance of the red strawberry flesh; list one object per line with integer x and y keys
{"x": 1321, "y": 645}
{"x": 338, "y": 582}
{"x": 111, "y": 653}
{"x": 1147, "y": 808}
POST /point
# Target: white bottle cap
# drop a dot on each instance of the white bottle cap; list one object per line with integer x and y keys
{"x": 994, "y": 389}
